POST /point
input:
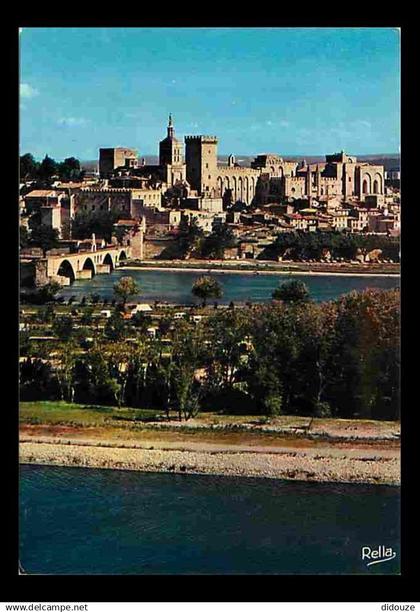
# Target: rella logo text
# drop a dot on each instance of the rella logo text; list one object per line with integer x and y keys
{"x": 380, "y": 554}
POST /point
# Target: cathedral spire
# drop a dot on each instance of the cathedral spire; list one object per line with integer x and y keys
{"x": 170, "y": 127}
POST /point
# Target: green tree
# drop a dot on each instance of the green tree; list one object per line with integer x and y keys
{"x": 364, "y": 364}
{"x": 101, "y": 385}
{"x": 87, "y": 316}
{"x": 44, "y": 237}
{"x": 46, "y": 314}
{"x": 48, "y": 170}
{"x": 35, "y": 379}
{"x": 292, "y": 291}
{"x": 191, "y": 236}
{"x": 206, "y": 287}
{"x": 47, "y": 292}
{"x": 94, "y": 298}
{"x": 65, "y": 371}
{"x": 114, "y": 327}
{"x": 187, "y": 354}
{"x": 214, "y": 245}
{"x": 101, "y": 223}
{"x": 63, "y": 327}
{"x": 140, "y": 321}
{"x": 70, "y": 170}
{"x": 23, "y": 237}
{"x": 119, "y": 359}
{"x": 315, "y": 328}
{"x": 126, "y": 287}
{"x": 120, "y": 233}
{"x": 272, "y": 364}
{"x": 227, "y": 334}
{"x": 28, "y": 167}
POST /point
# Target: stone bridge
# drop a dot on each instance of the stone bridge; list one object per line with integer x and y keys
{"x": 84, "y": 265}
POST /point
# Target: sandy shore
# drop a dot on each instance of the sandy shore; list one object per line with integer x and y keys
{"x": 180, "y": 268}
{"x": 376, "y": 465}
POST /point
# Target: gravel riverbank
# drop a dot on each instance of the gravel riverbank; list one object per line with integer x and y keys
{"x": 267, "y": 267}
{"x": 374, "y": 466}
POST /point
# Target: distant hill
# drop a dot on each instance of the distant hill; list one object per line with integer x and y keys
{"x": 388, "y": 160}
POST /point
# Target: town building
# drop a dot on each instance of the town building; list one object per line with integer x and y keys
{"x": 340, "y": 176}
{"x": 171, "y": 160}
{"x": 209, "y": 179}
{"x": 112, "y": 158}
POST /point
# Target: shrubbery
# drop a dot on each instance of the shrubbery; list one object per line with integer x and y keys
{"x": 312, "y": 245}
{"x": 338, "y": 359}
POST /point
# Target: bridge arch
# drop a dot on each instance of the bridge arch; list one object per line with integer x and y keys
{"x": 108, "y": 261}
{"x": 66, "y": 269}
{"x": 122, "y": 255}
{"x": 89, "y": 265}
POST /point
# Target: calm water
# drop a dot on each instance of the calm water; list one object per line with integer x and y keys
{"x": 175, "y": 286}
{"x": 87, "y": 521}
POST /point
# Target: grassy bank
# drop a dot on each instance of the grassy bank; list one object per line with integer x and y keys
{"x": 207, "y": 425}
{"x": 79, "y": 415}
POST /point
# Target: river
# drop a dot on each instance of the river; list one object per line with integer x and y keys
{"x": 175, "y": 286}
{"x": 89, "y": 521}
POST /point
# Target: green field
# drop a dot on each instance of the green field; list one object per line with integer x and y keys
{"x": 216, "y": 425}
{"x": 63, "y": 413}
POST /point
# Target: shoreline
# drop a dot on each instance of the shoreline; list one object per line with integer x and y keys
{"x": 325, "y": 464}
{"x": 258, "y": 272}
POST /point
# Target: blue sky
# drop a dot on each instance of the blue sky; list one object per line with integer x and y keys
{"x": 285, "y": 90}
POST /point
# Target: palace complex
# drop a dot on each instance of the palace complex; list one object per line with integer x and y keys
{"x": 268, "y": 196}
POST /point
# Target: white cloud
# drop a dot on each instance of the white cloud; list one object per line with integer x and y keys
{"x": 27, "y": 91}
{"x": 20, "y": 30}
{"x": 284, "y": 124}
{"x": 72, "y": 121}
{"x": 363, "y": 124}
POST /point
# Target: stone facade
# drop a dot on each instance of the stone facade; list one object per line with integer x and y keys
{"x": 112, "y": 158}
{"x": 212, "y": 180}
{"x": 340, "y": 176}
{"x": 155, "y": 246}
{"x": 171, "y": 162}
{"x": 269, "y": 179}
{"x": 123, "y": 200}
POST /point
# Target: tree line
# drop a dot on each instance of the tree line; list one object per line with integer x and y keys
{"x": 291, "y": 356}
{"x": 193, "y": 242}
{"x": 295, "y": 245}
{"x": 313, "y": 245}
{"x": 46, "y": 171}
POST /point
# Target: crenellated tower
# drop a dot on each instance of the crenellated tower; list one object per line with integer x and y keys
{"x": 201, "y": 161}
